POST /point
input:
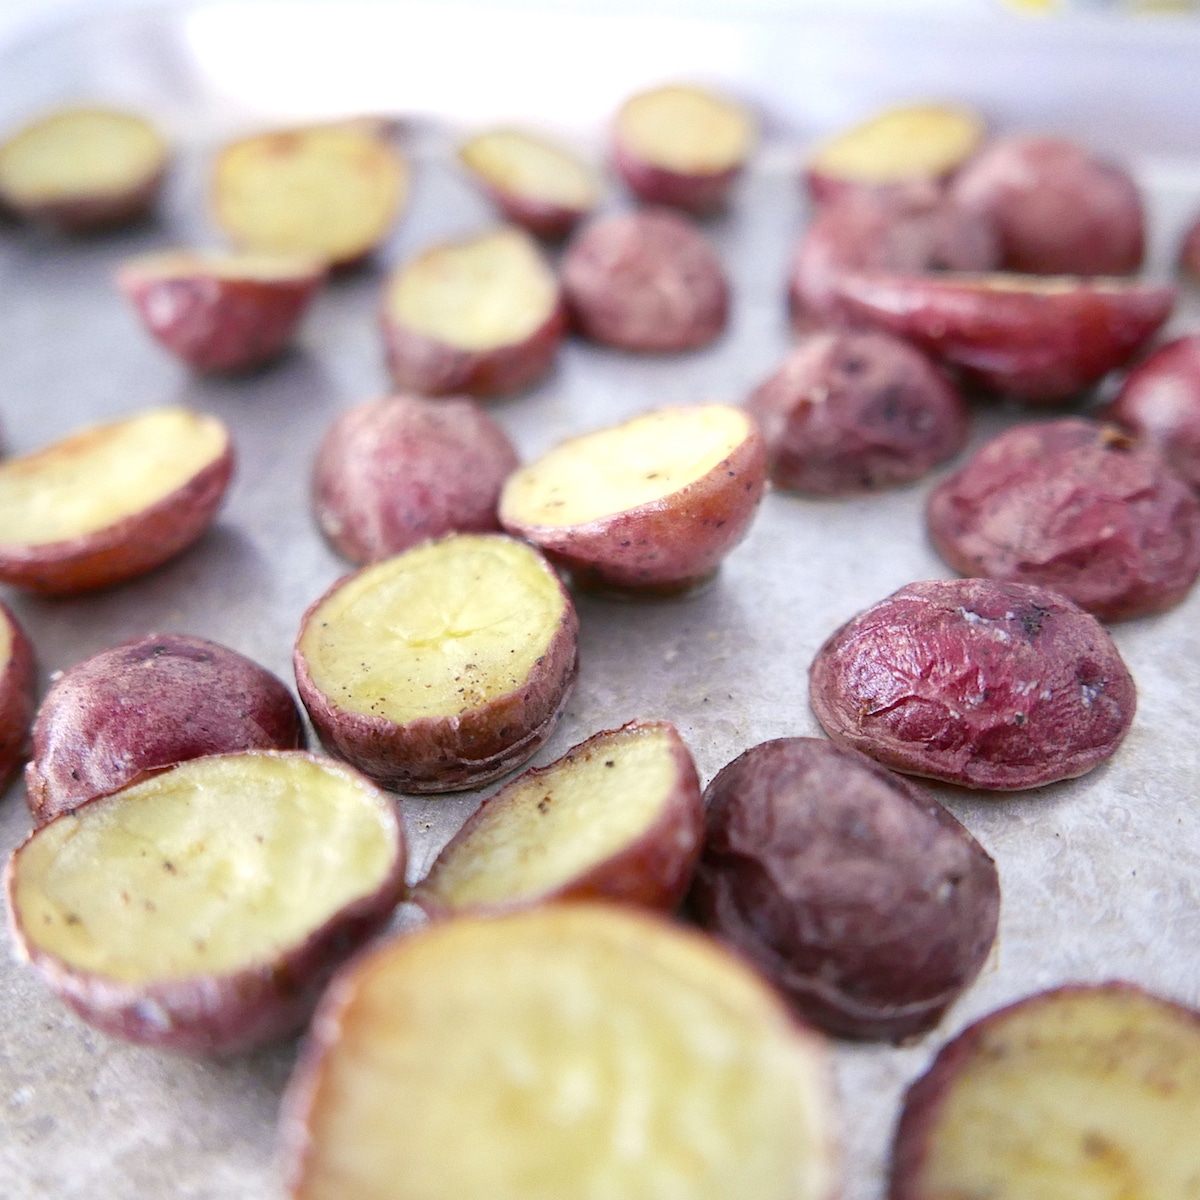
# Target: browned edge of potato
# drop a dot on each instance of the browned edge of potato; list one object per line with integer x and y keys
{"x": 18, "y": 694}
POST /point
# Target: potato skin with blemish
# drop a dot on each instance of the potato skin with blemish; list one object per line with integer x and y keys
{"x": 1002, "y": 686}
{"x": 862, "y": 899}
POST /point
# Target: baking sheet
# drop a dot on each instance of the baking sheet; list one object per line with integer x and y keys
{"x": 1100, "y": 875}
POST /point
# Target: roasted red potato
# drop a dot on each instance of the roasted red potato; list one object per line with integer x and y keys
{"x": 647, "y": 507}
{"x": 1189, "y": 251}
{"x": 443, "y": 668}
{"x": 81, "y": 169}
{"x": 204, "y": 908}
{"x": 330, "y": 192}
{"x": 534, "y": 183}
{"x": 148, "y": 703}
{"x": 1038, "y": 339}
{"x": 645, "y": 281}
{"x": 221, "y": 312}
{"x": 910, "y": 231}
{"x": 1083, "y": 1091}
{"x": 481, "y": 316}
{"x": 1159, "y": 403}
{"x": 1076, "y": 506}
{"x": 852, "y": 412}
{"x": 682, "y": 146}
{"x": 1059, "y": 210}
{"x": 910, "y": 144}
{"x": 111, "y": 502}
{"x": 862, "y": 899}
{"x": 568, "y": 1051}
{"x": 18, "y": 684}
{"x": 401, "y": 470}
{"x": 618, "y": 817}
{"x": 988, "y": 685}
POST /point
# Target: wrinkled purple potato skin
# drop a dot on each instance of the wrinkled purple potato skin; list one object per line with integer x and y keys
{"x": 913, "y": 229}
{"x": 398, "y": 471}
{"x": 1159, "y": 403}
{"x": 1002, "y": 686}
{"x": 148, "y": 703}
{"x": 645, "y": 281}
{"x": 1058, "y": 209}
{"x": 866, "y": 903}
{"x": 18, "y": 690}
{"x": 1076, "y": 506}
{"x": 852, "y": 412}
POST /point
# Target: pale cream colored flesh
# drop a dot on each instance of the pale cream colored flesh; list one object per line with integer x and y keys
{"x": 437, "y": 631}
{"x": 615, "y": 470}
{"x": 100, "y": 476}
{"x": 190, "y": 264}
{"x": 1093, "y": 1097}
{"x": 477, "y": 294}
{"x": 920, "y": 141}
{"x": 590, "y": 1055}
{"x": 687, "y": 130}
{"x": 80, "y": 153}
{"x": 6, "y": 645}
{"x": 530, "y": 166}
{"x": 330, "y": 192}
{"x": 540, "y": 833}
{"x": 207, "y": 869}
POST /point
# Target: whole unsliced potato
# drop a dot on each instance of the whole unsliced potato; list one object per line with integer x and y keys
{"x": 850, "y": 888}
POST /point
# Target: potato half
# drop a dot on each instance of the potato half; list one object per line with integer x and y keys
{"x": 204, "y": 908}
{"x": 442, "y": 668}
{"x": 17, "y": 694}
{"x": 569, "y": 1051}
{"x": 112, "y": 501}
{"x": 483, "y": 316}
{"x": 330, "y": 192}
{"x": 83, "y": 168}
{"x": 1073, "y": 1094}
{"x": 618, "y": 817}
{"x": 650, "y": 506}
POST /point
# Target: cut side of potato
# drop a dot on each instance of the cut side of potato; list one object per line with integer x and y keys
{"x": 618, "y": 817}
{"x": 571, "y": 1051}
{"x": 330, "y": 192}
{"x": 112, "y": 501}
{"x": 202, "y": 908}
{"x": 441, "y": 668}
{"x": 1071, "y": 1094}
{"x": 83, "y": 168}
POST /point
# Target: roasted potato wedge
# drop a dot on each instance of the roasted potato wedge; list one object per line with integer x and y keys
{"x": 17, "y": 694}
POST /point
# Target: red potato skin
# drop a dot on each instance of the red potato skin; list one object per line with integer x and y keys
{"x": 1075, "y": 506}
{"x": 911, "y": 229}
{"x": 1001, "y": 686}
{"x": 853, "y": 412}
{"x": 75, "y": 215}
{"x": 698, "y": 194}
{"x": 1039, "y": 347}
{"x": 216, "y": 324}
{"x": 1159, "y": 403}
{"x": 1058, "y": 209}
{"x": 130, "y": 547}
{"x": 862, "y": 899}
{"x": 423, "y": 364}
{"x": 222, "y": 1015}
{"x": 18, "y": 689}
{"x": 646, "y": 281}
{"x": 1189, "y": 252}
{"x": 543, "y": 218}
{"x": 148, "y": 703}
{"x": 398, "y": 471}
{"x": 666, "y": 547}
{"x": 652, "y": 872}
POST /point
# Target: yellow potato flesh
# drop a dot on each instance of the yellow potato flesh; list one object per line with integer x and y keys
{"x": 99, "y": 476}
{"x": 490, "y": 291}
{"x": 528, "y": 166}
{"x": 1093, "y": 1097}
{"x": 686, "y": 130}
{"x": 214, "y": 866}
{"x": 80, "y": 152}
{"x": 921, "y": 142}
{"x": 188, "y": 264}
{"x": 541, "y": 833}
{"x": 6, "y": 643}
{"x": 571, "y": 1053}
{"x": 614, "y": 470}
{"x": 437, "y": 631}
